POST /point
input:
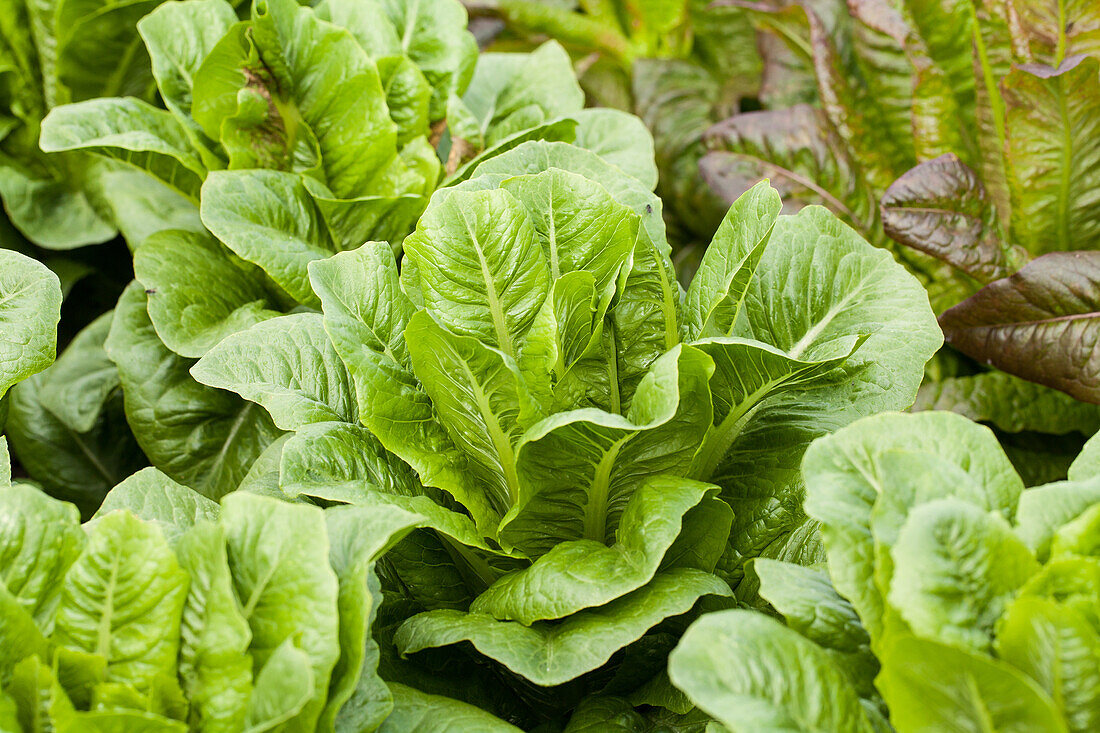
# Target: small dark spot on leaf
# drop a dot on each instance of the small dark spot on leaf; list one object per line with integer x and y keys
{"x": 649, "y": 208}
{"x": 151, "y": 291}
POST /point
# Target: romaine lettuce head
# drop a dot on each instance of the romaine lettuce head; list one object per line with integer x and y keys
{"x": 595, "y": 451}
{"x": 170, "y": 612}
{"x": 951, "y": 595}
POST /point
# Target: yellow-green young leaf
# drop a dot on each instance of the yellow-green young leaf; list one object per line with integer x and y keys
{"x": 1045, "y": 509}
{"x": 319, "y": 459}
{"x": 753, "y": 674}
{"x": 284, "y": 687}
{"x": 41, "y": 539}
{"x": 482, "y": 271}
{"x": 857, "y": 311}
{"x": 363, "y": 302}
{"x": 30, "y": 307}
{"x": 1058, "y": 648}
{"x": 123, "y": 599}
{"x": 279, "y": 557}
{"x": 933, "y": 686}
{"x": 511, "y": 92}
{"x": 716, "y": 294}
{"x": 956, "y": 567}
{"x": 366, "y": 315}
{"x": 480, "y": 398}
{"x": 151, "y": 496}
{"x": 435, "y": 37}
{"x": 40, "y": 701}
{"x": 844, "y": 481}
{"x": 214, "y": 664}
{"x": 577, "y": 222}
{"x": 1087, "y": 463}
{"x": 323, "y": 87}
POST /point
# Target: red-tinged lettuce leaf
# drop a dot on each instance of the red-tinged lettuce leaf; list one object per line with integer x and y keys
{"x": 798, "y": 151}
{"x": 1042, "y": 323}
{"x": 1055, "y": 30}
{"x": 852, "y": 108}
{"x": 941, "y": 208}
{"x": 991, "y": 26}
{"x": 677, "y": 101}
{"x": 1052, "y": 150}
{"x": 919, "y": 112}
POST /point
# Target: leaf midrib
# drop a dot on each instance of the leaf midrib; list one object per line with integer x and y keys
{"x": 496, "y": 309}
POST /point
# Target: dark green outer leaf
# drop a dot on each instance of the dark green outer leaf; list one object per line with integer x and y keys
{"x": 131, "y": 132}
{"x": 1042, "y": 323}
{"x": 418, "y": 712}
{"x": 77, "y": 466}
{"x": 52, "y": 213}
{"x": 99, "y": 53}
{"x": 268, "y": 218}
{"x": 201, "y": 437}
{"x": 1010, "y": 404}
{"x": 551, "y": 653}
{"x": 76, "y": 388}
{"x": 198, "y": 292}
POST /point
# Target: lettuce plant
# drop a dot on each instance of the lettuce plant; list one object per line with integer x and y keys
{"x": 952, "y": 597}
{"x": 169, "y": 612}
{"x": 1014, "y": 193}
{"x": 287, "y": 137}
{"x": 595, "y": 453}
